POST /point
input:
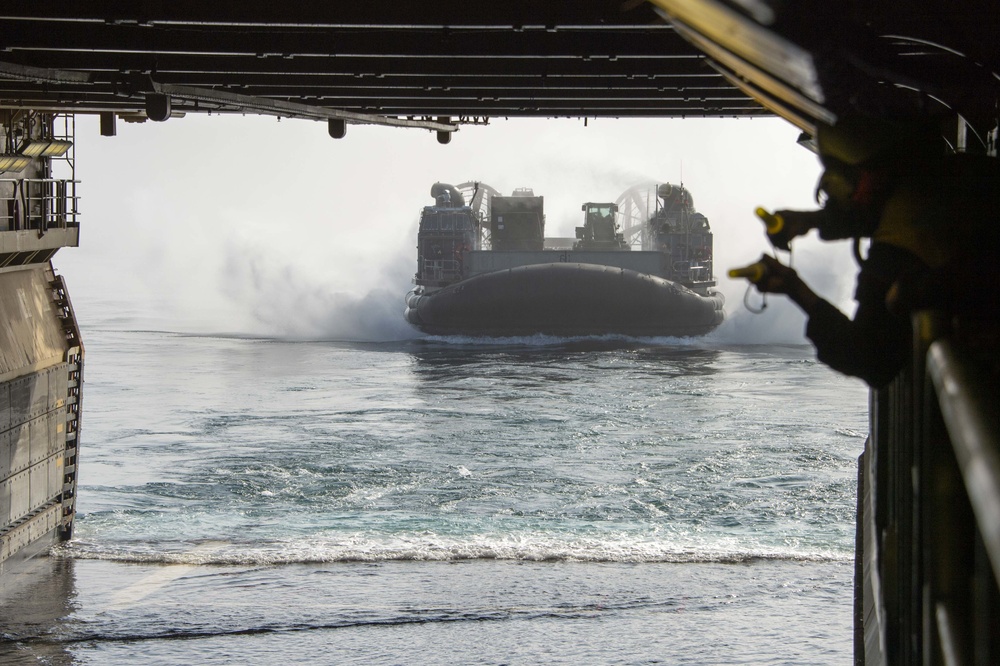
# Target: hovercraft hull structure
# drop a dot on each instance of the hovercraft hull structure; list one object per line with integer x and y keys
{"x": 486, "y": 268}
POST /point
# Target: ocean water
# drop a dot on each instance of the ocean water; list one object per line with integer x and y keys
{"x": 453, "y": 501}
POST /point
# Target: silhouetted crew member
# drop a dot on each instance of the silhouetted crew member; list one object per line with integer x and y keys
{"x": 924, "y": 212}
{"x": 873, "y": 346}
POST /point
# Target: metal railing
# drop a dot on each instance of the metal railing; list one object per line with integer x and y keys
{"x": 933, "y": 463}
{"x": 691, "y": 271}
{"x": 38, "y": 203}
{"x": 441, "y": 269}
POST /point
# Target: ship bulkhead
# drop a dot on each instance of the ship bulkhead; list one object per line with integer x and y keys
{"x": 41, "y": 354}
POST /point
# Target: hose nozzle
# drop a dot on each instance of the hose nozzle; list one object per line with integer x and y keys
{"x": 753, "y": 272}
{"x": 773, "y": 223}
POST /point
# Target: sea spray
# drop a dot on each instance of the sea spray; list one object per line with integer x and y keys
{"x": 219, "y": 245}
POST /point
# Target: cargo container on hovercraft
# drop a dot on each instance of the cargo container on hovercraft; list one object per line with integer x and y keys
{"x": 485, "y": 268}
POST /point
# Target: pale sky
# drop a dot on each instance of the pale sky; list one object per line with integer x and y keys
{"x": 249, "y": 225}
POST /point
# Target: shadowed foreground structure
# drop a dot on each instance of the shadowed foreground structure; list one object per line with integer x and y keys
{"x": 930, "y": 547}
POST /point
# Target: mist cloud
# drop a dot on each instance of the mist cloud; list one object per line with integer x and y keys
{"x": 285, "y": 301}
{"x": 184, "y": 230}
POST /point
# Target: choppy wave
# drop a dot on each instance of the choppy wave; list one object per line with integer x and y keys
{"x": 422, "y": 548}
{"x": 111, "y": 635}
{"x": 349, "y": 620}
{"x": 544, "y": 340}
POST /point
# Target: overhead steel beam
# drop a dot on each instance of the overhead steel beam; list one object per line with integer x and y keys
{"x": 232, "y": 101}
{"x": 511, "y": 13}
{"x": 666, "y": 65}
{"x": 492, "y": 43}
{"x": 276, "y": 107}
{"x": 401, "y": 92}
{"x": 41, "y": 74}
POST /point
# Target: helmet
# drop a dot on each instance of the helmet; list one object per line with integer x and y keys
{"x": 858, "y": 140}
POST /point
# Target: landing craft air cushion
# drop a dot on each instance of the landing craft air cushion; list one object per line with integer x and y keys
{"x": 487, "y": 269}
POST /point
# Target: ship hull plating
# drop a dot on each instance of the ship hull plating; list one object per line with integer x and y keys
{"x": 40, "y": 374}
{"x": 564, "y": 299}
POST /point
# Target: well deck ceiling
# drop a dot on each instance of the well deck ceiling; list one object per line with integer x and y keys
{"x": 459, "y": 59}
{"x": 468, "y": 60}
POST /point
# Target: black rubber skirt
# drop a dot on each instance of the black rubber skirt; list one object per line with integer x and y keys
{"x": 565, "y": 299}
